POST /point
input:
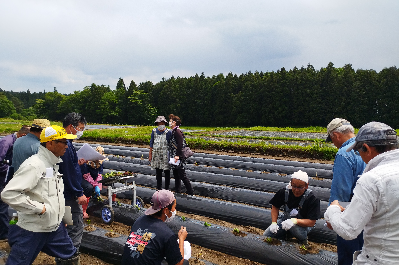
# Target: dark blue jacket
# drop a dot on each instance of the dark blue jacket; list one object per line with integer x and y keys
{"x": 71, "y": 173}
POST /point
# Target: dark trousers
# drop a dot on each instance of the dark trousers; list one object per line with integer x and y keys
{"x": 159, "y": 178}
{"x": 346, "y": 248}
{"x": 3, "y": 215}
{"x": 180, "y": 175}
{"x": 26, "y": 245}
{"x": 75, "y": 231}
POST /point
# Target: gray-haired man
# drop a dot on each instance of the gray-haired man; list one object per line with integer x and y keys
{"x": 375, "y": 203}
{"x": 346, "y": 171}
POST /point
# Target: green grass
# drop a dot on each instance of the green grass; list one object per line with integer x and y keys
{"x": 141, "y": 135}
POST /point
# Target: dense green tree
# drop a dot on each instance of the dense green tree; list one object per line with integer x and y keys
{"x": 6, "y": 106}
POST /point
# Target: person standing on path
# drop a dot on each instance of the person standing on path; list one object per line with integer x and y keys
{"x": 36, "y": 193}
{"x": 346, "y": 171}
{"x": 158, "y": 155}
{"x": 176, "y": 144}
{"x": 374, "y": 207}
{"x": 74, "y": 123}
{"x": 6, "y": 154}
{"x": 28, "y": 146}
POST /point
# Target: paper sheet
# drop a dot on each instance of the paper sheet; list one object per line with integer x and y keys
{"x": 172, "y": 161}
{"x": 88, "y": 153}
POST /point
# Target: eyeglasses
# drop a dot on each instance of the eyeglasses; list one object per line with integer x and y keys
{"x": 298, "y": 188}
{"x": 63, "y": 142}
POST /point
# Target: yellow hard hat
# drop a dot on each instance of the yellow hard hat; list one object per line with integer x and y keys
{"x": 54, "y": 132}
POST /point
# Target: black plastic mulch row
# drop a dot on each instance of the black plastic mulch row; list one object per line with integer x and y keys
{"x": 251, "y": 197}
{"x": 218, "y": 179}
{"x": 227, "y": 171}
{"x": 222, "y": 239}
{"x": 235, "y": 213}
{"x": 143, "y": 152}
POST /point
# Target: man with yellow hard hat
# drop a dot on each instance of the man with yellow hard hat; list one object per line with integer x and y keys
{"x": 37, "y": 193}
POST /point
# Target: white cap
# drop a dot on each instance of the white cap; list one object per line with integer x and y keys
{"x": 301, "y": 176}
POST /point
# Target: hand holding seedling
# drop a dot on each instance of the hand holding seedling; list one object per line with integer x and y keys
{"x": 182, "y": 235}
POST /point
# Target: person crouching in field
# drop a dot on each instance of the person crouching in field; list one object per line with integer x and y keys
{"x": 92, "y": 173}
{"x": 158, "y": 155}
{"x": 151, "y": 241}
{"x": 301, "y": 210}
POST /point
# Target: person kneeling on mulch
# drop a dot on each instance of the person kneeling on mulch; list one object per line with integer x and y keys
{"x": 301, "y": 209}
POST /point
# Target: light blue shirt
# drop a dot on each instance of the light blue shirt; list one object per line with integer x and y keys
{"x": 24, "y": 147}
{"x": 346, "y": 171}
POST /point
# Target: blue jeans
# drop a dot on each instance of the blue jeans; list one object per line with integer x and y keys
{"x": 346, "y": 248}
{"x": 299, "y": 232}
{"x": 3, "y": 215}
{"x": 26, "y": 245}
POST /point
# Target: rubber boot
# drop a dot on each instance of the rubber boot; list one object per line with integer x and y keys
{"x": 74, "y": 260}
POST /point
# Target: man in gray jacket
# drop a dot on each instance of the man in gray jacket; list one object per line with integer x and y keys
{"x": 375, "y": 203}
{"x": 36, "y": 192}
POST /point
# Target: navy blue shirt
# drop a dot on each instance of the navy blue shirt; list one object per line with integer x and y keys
{"x": 71, "y": 173}
{"x": 151, "y": 241}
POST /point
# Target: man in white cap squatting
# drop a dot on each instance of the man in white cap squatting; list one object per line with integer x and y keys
{"x": 151, "y": 240}
{"x": 37, "y": 193}
{"x": 375, "y": 203}
{"x": 346, "y": 171}
{"x": 301, "y": 210}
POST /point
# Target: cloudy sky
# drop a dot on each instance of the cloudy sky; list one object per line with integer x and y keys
{"x": 72, "y": 44}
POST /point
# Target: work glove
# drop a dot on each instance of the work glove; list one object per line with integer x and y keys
{"x": 273, "y": 228}
{"x": 97, "y": 191}
{"x": 287, "y": 224}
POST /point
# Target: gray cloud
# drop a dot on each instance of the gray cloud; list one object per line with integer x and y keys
{"x": 72, "y": 44}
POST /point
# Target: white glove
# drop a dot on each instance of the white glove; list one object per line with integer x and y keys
{"x": 287, "y": 224}
{"x": 274, "y": 227}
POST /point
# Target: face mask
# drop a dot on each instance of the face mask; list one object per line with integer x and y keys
{"x": 170, "y": 124}
{"x": 168, "y": 219}
{"x": 161, "y": 127}
{"x": 79, "y": 134}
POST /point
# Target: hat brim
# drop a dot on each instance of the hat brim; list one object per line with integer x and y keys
{"x": 351, "y": 147}
{"x": 151, "y": 211}
{"x": 68, "y": 136}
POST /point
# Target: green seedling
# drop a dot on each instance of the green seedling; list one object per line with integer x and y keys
{"x": 119, "y": 203}
{"x": 88, "y": 221}
{"x": 303, "y": 247}
{"x": 268, "y": 239}
{"x": 183, "y": 218}
{"x": 236, "y": 230}
{"x": 137, "y": 207}
{"x": 206, "y": 224}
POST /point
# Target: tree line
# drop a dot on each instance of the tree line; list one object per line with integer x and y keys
{"x": 297, "y": 97}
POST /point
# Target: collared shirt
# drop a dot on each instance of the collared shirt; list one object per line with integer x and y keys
{"x": 346, "y": 171}
{"x": 24, "y": 147}
{"x": 374, "y": 208}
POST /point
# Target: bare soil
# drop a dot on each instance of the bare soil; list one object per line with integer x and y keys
{"x": 198, "y": 253}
